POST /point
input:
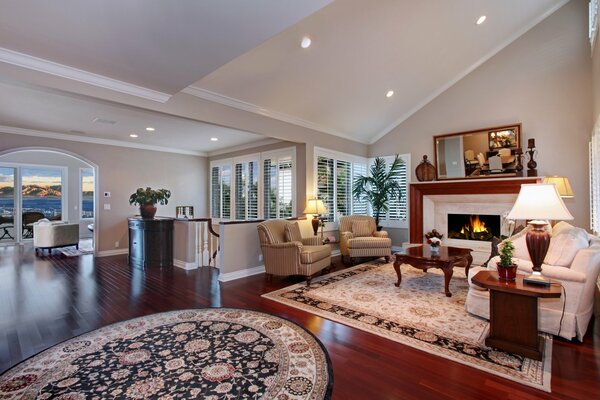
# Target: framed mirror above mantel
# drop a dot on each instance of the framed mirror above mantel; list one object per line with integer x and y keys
{"x": 482, "y": 153}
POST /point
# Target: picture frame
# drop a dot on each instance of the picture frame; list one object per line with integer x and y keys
{"x": 504, "y": 138}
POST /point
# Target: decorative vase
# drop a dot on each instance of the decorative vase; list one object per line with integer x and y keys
{"x": 507, "y": 273}
{"x": 425, "y": 171}
{"x": 147, "y": 211}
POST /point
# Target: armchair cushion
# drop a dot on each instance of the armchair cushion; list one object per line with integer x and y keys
{"x": 292, "y": 232}
{"x": 362, "y": 228}
{"x": 312, "y": 254}
{"x": 369, "y": 242}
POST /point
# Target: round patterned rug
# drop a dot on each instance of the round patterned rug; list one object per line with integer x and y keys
{"x": 211, "y": 353}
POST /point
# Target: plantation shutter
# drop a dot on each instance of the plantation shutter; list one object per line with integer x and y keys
{"x": 285, "y": 191}
{"x": 226, "y": 191}
{"x": 325, "y": 185}
{"x": 359, "y": 207}
{"x": 252, "y": 190}
{"x": 344, "y": 188}
{"x": 270, "y": 189}
{"x": 240, "y": 191}
{"x": 397, "y": 210}
{"x": 215, "y": 182}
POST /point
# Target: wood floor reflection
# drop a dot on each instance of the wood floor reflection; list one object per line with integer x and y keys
{"x": 49, "y": 299}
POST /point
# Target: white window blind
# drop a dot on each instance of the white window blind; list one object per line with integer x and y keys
{"x": 215, "y": 183}
{"x": 278, "y": 186}
{"x": 595, "y": 180}
{"x": 252, "y": 190}
{"x": 397, "y": 213}
{"x": 246, "y": 190}
{"x": 335, "y": 175}
{"x": 240, "y": 191}
{"x": 226, "y": 192}
{"x": 594, "y": 9}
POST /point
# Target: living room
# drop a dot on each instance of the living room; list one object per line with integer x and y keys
{"x": 270, "y": 97}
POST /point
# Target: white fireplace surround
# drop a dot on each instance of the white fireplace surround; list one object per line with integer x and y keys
{"x": 437, "y": 207}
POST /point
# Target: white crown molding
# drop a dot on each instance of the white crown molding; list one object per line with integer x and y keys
{"x": 467, "y": 71}
{"x": 84, "y": 139}
{"x": 64, "y": 71}
{"x": 253, "y": 108}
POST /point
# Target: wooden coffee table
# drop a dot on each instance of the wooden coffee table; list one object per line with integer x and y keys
{"x": 448, "y": 257}
{"x": 514, "y": 313}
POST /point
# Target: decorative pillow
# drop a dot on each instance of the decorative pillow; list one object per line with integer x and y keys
{"x": 520, "y": 244}
{"x": 565, "y": 244}
{"x": 362, "y": 228}
{"x": 292, "y": 232}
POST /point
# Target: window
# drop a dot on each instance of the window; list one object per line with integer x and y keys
{"x": 278, "y": 185}
{"x": 87, "y": 192}
{"x": 594, "y": 8}
{"x": 335, "y": 175}
{"x": 595, "y": 180}
{"x": 235, "y": 186}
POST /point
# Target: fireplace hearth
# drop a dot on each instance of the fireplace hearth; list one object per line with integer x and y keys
{"x": 473, "y": 227}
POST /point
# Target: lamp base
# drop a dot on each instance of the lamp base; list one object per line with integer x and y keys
{"x": 537, "y": 279}
{"x": 315, "y": 224}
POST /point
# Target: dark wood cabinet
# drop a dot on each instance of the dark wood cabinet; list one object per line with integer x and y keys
{"x": 150, "y": 242}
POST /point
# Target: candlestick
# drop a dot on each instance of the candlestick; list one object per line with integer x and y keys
{"x": 531, "y": 143}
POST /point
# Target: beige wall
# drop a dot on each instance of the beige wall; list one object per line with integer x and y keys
{"x": 121, "y": 172}
{"x": 542, "y": 80}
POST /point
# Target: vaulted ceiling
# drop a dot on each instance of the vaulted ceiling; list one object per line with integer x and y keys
{"x": 247, "y": 55}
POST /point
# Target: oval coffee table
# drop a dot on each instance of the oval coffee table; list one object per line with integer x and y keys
{"x": 446, "y": 259}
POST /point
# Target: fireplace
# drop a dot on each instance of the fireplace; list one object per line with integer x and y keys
{"x": 478, "y": 227}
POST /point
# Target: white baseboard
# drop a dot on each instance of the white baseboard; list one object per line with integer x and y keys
{"x": 116, "y": 252}
{"x": 230, "y": 276}
{"x": 185, "y": 265}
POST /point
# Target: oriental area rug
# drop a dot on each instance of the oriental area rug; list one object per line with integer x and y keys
{"x": 417, "y": 314}
{"x": 208, "y": 353}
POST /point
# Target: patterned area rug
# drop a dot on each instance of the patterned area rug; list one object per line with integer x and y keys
{"x": 207, "y": 353}
{"x": 73, "y": 252}
{"x": 417, "y": 314}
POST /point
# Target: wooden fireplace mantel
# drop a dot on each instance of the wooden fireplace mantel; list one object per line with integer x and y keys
{"x": 487, "y": 186}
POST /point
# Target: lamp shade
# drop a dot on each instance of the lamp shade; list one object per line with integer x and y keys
{"x": 562, "y": 185}
{"x": 315, "y": 206}
{"x": 539, "y": 201}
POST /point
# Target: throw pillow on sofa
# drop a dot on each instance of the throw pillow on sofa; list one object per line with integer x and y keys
{"x": 292, "y": 232}
{"x": 566, "y": 241}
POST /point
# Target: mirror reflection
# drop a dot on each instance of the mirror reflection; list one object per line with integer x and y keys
{"x": 485, "y": 153}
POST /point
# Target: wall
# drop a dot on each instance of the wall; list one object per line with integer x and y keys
{"x": 121, "y": 172}
{"x": 542, "y": 80}
{"x": 73, "y": 166}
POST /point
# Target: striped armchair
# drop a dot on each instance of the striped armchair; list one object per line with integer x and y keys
{"x": 359, "y": 238}
{"x": 297, "y": 256}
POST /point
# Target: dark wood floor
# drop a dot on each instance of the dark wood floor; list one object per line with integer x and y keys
{"x": 45, "y": 300}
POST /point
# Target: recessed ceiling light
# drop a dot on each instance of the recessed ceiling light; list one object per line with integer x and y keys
{"x": 150, "y": 129}
{"x": 481, "y": 20}
{"x": 214, "y": 139}
{"x": 305, "y": 43}
{"x": 389, "y": 94}
{"x": 133, "y": 135}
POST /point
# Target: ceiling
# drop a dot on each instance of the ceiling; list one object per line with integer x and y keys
{"x": 246, "y": 55}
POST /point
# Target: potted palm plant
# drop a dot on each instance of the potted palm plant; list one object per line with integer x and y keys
{"x": 380, "y": 186}
{"x": 147, "y": 198}
{"x": 507, "y": 269}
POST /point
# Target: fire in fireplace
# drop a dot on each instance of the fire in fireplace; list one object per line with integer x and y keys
{"x": 473, "y": 227}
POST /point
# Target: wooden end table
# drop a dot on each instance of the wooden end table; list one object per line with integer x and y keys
{"x": 514, "y": 313}
{"x": 422, "y": 258}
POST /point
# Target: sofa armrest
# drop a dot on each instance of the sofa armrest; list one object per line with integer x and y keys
{"x": 312, "y": 241}
{"x": 383, "y": 234}
{"x": 282, "y": 258}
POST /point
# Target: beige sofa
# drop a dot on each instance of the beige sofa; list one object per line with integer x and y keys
{"x": 49, "y": 235}
{"x": 579, "y": 279}
{"x": 286, "y": 253}
{"x": 359, "y": 238}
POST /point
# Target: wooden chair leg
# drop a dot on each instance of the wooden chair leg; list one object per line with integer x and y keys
{"x": 387, "y": 259}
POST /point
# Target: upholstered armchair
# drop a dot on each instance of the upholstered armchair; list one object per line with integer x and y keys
{"x": 359, "y": 238}
{"x": 286, "y": 252}
{"x": 50, "y": 235}
{"x": 573, "y": 260}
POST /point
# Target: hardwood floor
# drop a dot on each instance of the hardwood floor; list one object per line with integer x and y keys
{"x": 45, "y": 300}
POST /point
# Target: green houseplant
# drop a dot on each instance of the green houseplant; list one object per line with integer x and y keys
{"x": 507, "y": 269}
{"x": 380, "y": 186}
{"x": 147, "y": 198}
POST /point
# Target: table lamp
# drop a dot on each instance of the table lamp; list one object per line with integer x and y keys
{"x": 538, "y": 202}
{"x": 315, "y": 207}
{"x": 562, "y": 185}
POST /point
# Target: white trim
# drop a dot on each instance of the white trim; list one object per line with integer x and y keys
{"x": 107, "y": 253}
{"x": 109, "y": 142}
{"x": 230, "y": 276}
{"x": 64, "y": 71}
{"x": 253, "y": 108}
{"x": 467, "y": 71}
{"x": 185, "y": 265}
